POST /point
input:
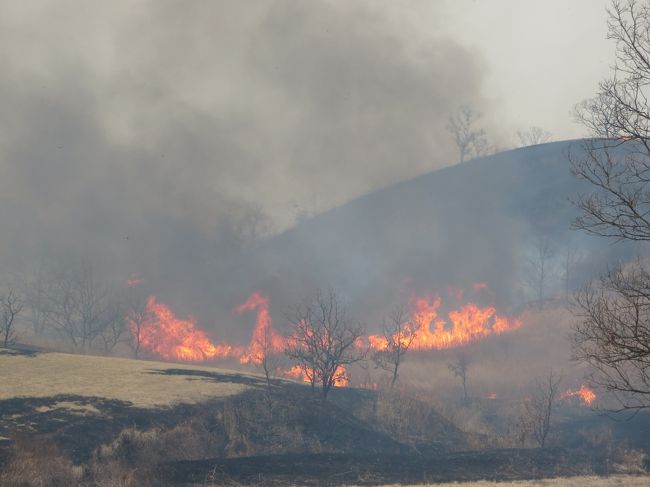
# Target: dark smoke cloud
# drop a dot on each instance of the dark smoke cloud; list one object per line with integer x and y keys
{"x": 145, "y": 135}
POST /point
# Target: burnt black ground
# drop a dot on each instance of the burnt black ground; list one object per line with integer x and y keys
{"x": 360, "y": 469}
{"x": 77, "y": 433}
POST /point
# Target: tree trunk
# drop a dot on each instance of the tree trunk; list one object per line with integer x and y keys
{"x": 392, "y": 383}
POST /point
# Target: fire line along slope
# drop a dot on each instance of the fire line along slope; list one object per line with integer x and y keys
{"x": 480, "y": 221}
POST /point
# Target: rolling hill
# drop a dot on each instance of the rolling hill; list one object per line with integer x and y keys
{"x": 481, "y": 221}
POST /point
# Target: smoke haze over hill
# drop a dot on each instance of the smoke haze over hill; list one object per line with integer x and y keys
{"x": 141, "y": 136}
{"x": 144, "y": 146}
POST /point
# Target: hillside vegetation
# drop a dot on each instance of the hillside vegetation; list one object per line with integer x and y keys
{"x": 86, "y": 420}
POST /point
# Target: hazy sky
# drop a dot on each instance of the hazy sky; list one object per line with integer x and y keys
{"x": 541, "y": 56}
{"x": 192, "y": 110}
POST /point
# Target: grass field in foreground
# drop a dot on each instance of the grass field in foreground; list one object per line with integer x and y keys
{"x": 585, "y": 481}
{"x": 141, "y": 382}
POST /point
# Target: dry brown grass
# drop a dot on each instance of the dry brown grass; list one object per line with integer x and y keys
{"x": 583, "y": 481}
{"x": 38, "y": 463}
{"x": 50, "y": 374}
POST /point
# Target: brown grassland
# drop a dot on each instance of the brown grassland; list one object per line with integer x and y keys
{"x": 140, "y": 382}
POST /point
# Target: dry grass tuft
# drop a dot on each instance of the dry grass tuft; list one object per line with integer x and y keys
{"x": 38, "y": 463}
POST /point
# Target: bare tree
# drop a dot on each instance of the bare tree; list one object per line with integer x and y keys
{"x": 266, "y": 356}
{"x": 533, "y": 136}
{"x": 540, "y": 405}
{"x": 37, "y": 290}
{"x": 11, "y": 306}
{"x": 470, "y": 140}
{"x": 598, "y": 115}
{"x": 620, "y": 205}
{"x": 264, "y": 344}
{"x": 523, "y": 427}
{"x": 618, "y": 166}
{"x": 137, "y": 316}
{"x": 79, "y": 305}
{"x": 539, "y": 269}
{"x": 571, "y": 256}
{"x": 114, "y": 326}
{"x": 613, "y": 334}
{"x": 459, "y": 368}
{"x": 324, "y": 340}
{"x": 398, "y": 334}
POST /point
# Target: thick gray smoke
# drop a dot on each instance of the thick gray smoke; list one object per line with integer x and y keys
{"x": 154, "y": 137}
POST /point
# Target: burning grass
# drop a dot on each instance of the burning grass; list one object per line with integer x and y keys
{"x": 167, "y": 336}
{"x": 142, "y": 383}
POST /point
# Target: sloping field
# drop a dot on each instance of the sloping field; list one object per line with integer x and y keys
{"x": 140, "y": 382}
{"x": 79, "y": 403}
{"x": 193, "y": 421}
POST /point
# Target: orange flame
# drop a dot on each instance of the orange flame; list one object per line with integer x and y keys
{"x": 586, "y": 395}
{"x": 264, "y": 339}
{"x": 172, "y": 338}
{"x": 466, "y": 324}
{"x": 341, "y": 378}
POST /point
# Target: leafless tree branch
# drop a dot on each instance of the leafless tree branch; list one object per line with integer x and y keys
{"x": 324, "y": 340}
{"x": 398, "y": 334}
{"x": 11, "y": 305}
{"x": 470, "y": 140}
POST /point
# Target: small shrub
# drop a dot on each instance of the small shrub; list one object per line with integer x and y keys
{"x": 133, "y": 457}
{"x": 629, "y": 460}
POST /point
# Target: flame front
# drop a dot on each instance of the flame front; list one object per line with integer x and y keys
{"x": 172, "y": 338}
{"x": 175, "y": 339}
{"x": 586, "y": 395}
{"x": 466, "y": 324}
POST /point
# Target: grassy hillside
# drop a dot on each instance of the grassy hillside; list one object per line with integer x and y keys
{"x": 94, "y": 411}
{"x": 139, "y": 382}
